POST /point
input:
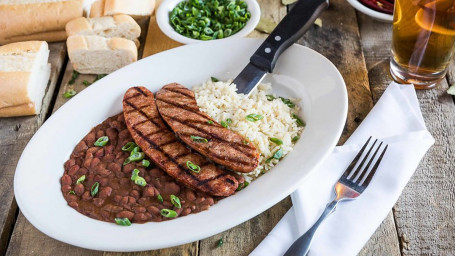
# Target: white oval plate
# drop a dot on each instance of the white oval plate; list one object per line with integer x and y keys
{"x": 300, "y": 72}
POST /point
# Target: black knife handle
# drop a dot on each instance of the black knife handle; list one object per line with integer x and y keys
{"x": 289, "y": 30}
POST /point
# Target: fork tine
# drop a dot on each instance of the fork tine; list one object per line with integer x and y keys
{"x": 375, "y": 167}
{"x": 359, "y": 168}
{"x": 365, "y": 169}
{"x": 354, "y": 162}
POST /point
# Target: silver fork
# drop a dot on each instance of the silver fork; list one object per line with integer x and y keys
{"x": 349, "y": 186}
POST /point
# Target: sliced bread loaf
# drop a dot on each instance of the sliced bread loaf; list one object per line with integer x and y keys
{"x": 120, "y": 25}
{"x": 136, "y": 8}
{"x": 99, "y": 55}
{"x": 24, "y": 75}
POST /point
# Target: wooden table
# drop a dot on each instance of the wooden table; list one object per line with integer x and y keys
{"x": 422, "y": 221}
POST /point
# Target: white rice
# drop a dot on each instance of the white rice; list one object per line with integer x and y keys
{"x": 220, "y": 101}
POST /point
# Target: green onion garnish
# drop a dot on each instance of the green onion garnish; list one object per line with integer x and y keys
{"x": 287, "y": 102}
{"x": 101, "y": 141}
{"x": 80, "y": 180}
{"x": 278, "y": 155}
{"x": 198, "y": 139}
{"x": 229, "y": 121}
{"x": 245, "y": 142}
{"x": 98, "y": 77}
{"x": 209, "y": 19}
{"x": 254, "y": 117}
{"x": 86, "y": 83}
{"x": 74, "y": 76}
{"x": 138, "y": 180}
{"x": 135, "y": 150}
{"x": 136, "y": 156}
{"x": 160, "y": 198}
{"x": 145, "y": 163}
{"x": 219, "y": 243}
{"x": 193, "y": 167}
{"x": 129, "y": 146}
{"x": 71, "y": 192}
{"x": 94, "y": 189}
{"x": 70, "y": 93}
{"x": 276, "y": 141}
{"x": 123, "y": 221}
{"x": 299, "y": 122}
{"x": 224, "y": 124}
{"x": 270, "y": 97}
{"x": 127, "y": 161}
{"x": 176, "y": 201}
{"x": 214, "y": 79}
{"x": 243, "y": 185}
{"x": 296, "y": 138}
{"x": 168, "y": 213}
{"x": 210, "y": 122}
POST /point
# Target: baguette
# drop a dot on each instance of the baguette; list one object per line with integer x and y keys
{"x": 34, "y": 19}
{"x": 120, "y": 25}
{"x": 24, "y": 75}
{"x": 99, "y": 55}
{"x": 137, "y": 9}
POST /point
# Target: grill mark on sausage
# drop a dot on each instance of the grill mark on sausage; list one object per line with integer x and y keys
{"x": 140, "y": 91}
{"x": 133, "y": 96}
{"x": 220, "y": 186}
{"x": 177, "y": 105}
{"x": 179, "y": 92}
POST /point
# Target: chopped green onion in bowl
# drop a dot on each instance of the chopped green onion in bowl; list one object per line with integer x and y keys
{"x": 210, "y": 19}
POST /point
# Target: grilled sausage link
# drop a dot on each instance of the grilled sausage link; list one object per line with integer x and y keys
{"x": 178, "y": 107}
{"x": 161, "y": 145}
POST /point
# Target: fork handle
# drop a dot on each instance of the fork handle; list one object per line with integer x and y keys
{"x": 301, "y": 246}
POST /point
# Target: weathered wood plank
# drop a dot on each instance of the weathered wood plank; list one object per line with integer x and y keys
{"x": 424, "y": 214}
{"x": 14, "y": 135}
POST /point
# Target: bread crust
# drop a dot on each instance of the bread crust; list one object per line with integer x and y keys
{"x": 13, "y": 89}
{"x": 138, "y": 9}
{"x": 27, "y": 109}
{"x": 49, "y": 36}
{"x": 35, "y": 20}
{"x": 97, "y": 9}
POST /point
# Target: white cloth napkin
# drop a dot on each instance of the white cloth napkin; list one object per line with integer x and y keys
{"x": 395, "y": 119}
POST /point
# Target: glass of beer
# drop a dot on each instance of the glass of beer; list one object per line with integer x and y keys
{"x": 423, "y": 41}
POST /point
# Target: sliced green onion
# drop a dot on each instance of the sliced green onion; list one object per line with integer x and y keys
{"x": 198, "y": 139}
{"x": 214, "y": 79}
{"x": 299, "y": 122}
{"x": 160, "y": 198}
{"x": 229, "y": 121}
{"x": 176, "y": 201}
{"x": 80, "y": 180}
{"x": 219, "y": 243}
{"x": 135, "y": 150}
{"x": 98, "y": 77}
{"x": 101, "y": 141}
{"x": 193, "y": 167}
{"x": 254, "y": 117}
{"x": 243, "y": 185}
{"x": 123, "y": 221}
{"x": 127, "y": 161}
{"x": 210, "y": 122}
{"x": 94, "y": 189}
{"x": 86, "y": 83}
{"x": 129, "y": 146}
{"x": 288, "y": 102}
{"x": 137, "y": 156}
{"x": 270, "y": 97}
{"x": 276, "y": 141}
{"x": 145, "y": 163}
{"x": 138, "y": 180}
{"x": 224, "y": 124}
{"x": 70, "y": 93}
{"x": 245, "y": 142}
{"x": 278, "y": 155}
{"x": 134, "y": 174}
{"x": 168, "y": 213}
{"x": 295, "y": 138}
{"x": 71, "y": 192}
{"x": 74, "y": 76}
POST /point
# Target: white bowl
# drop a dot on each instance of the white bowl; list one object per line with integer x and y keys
{"x": 383, "y": 17}
{"x": 162, "y": 18}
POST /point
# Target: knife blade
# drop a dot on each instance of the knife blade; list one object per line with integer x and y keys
{"x": 288, "y": 31}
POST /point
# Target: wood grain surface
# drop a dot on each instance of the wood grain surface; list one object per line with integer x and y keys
{"x": 421, "y": 223}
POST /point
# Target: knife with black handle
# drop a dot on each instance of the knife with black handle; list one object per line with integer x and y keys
{"x": 289, "y": 30}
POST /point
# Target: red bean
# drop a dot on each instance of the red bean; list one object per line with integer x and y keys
{"x": 69, "y": 163}
{"x": 125, "y": 214}
{"x": 124, "y": 134}
{"x": 142, "y": 200}
{"x": 104, "y": 172}
{"x": 156, "y": 172}
{"x": 66, "y": 189}
{"x": 185, "y": 212}
{"x": 98, "y": 202}
{"x": 105, "y": 192}
{"x": 149, "y": 191}
{"x": 135, "y": 194}
{"x": 87, "y": 162}
{"x": 142, "y": 217}
{"x": 118, "y": 198}
{"x": 99, "y": 153}
{"x": 81, "y": 171}
{"x": 73, "y": 204}
{"x": 171, "y": 188}
{"x": 190, "y": 195}
{"x": 100, "y": 133}
{"x": 104, "y": 181}
{"x": 200, "y": 200}
{"x": 209, "y": 201}
{"x": 109, "y": 149}
{"x": 128, "y": 169}
{"x": 73, "y": 170}
{"x": 116, "y": 125}
{"x": 204, "y": 207}
{"x": 95, "y": 162}
{"x": 80, "y": 147}
{"x": 138, "y": 209}
{"x": 86, "y": 196}
{"x": 153, "y": 210}
{"x": 112, "y": 134}
{"x": 90, "y": 138}
{"x": 79, "y": 189}
{"x": 66, "y": 180}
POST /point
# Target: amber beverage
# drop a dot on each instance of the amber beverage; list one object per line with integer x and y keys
{"x": 423, "y": 41}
